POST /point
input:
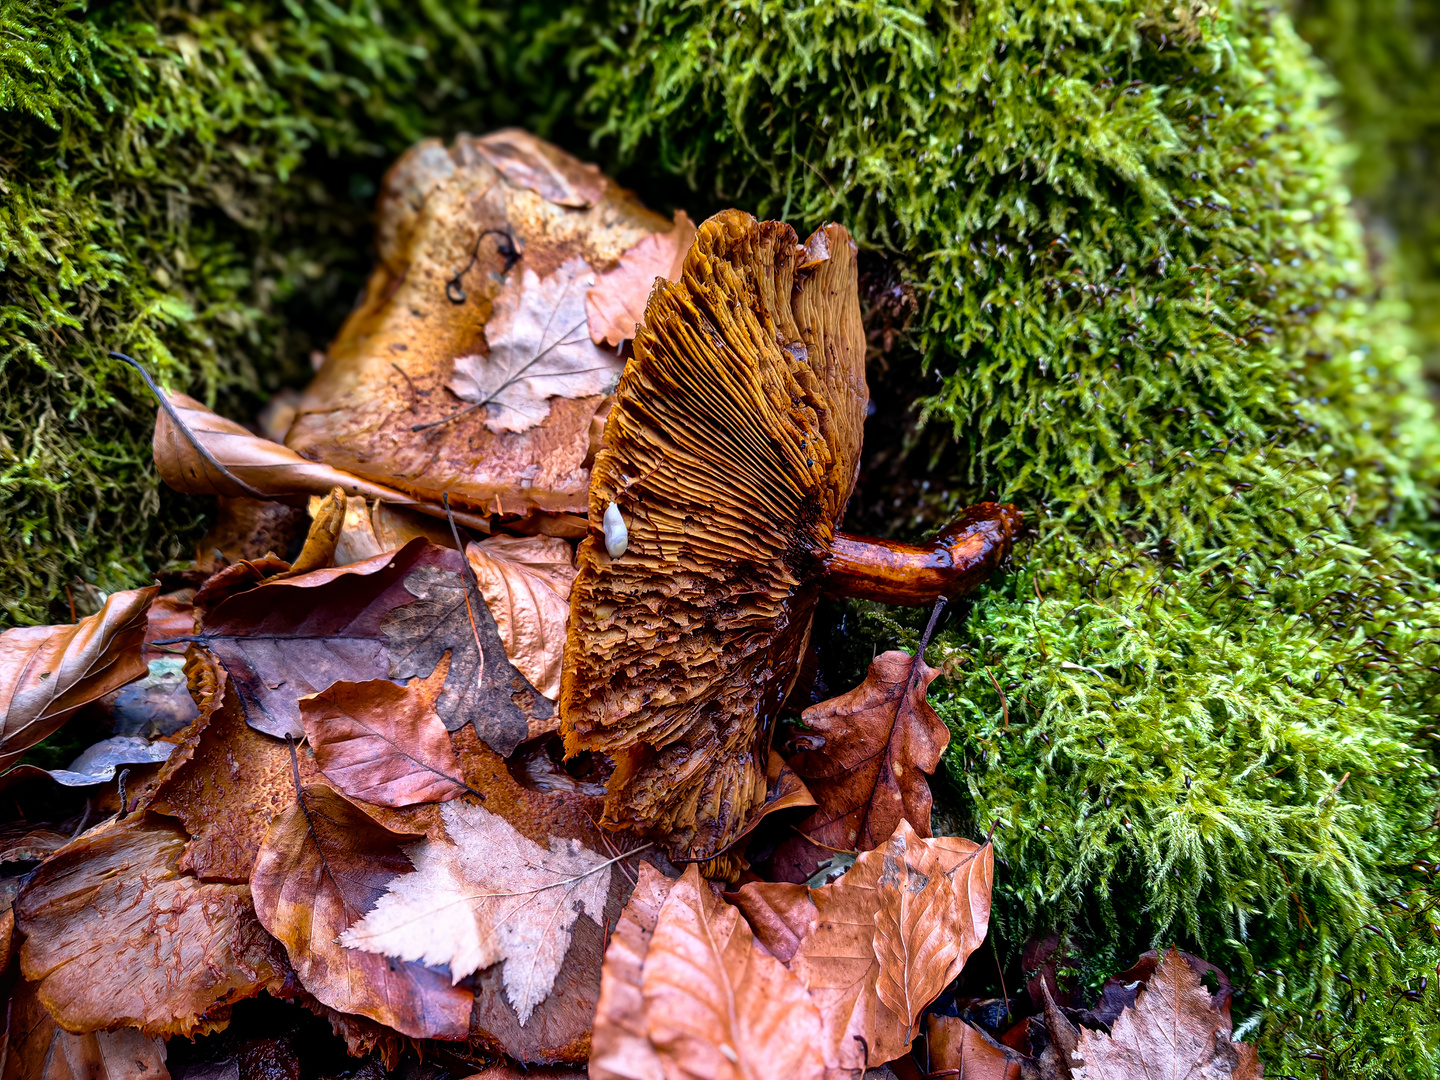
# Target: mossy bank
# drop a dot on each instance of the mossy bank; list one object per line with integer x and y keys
{"x": 1198, "y": 708}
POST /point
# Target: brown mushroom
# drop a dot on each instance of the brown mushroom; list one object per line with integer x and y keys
{"x": 728, "y": 459}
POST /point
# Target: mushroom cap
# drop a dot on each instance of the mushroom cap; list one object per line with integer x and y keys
{"x": 393, "y": 363}
{"x": 731, "y": 451}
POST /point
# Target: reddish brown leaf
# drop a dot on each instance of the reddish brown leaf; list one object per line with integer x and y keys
{"x": 323, "y": 864}
{"x": 880, "y": 740}
{"x": 621, "y": 1047}
{"x": 617, "y": 302}
{"x": 717, "y": 1004}
{"x": 47, "y": 672}
{"x": 781, "y": 914}
{"x": 966, "y": 1052}
{"x": 117, "y": 936}
{"x": 384, "y": 743}
{"x": 34, "y": 1047}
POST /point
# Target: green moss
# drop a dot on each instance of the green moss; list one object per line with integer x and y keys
{"x": 1148, "y": 316}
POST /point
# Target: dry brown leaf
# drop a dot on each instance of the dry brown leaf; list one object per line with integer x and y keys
{"x": 1174, "y": 1029}
{"x": 954, "y": 1047}
{"x": 621, "y": 1047}
{"x": 34, "y": 1047}
{"x": 545, "y": 169}
{"x": 117, "y": 936}
{"x": 384, "y": 743}
{"x": 258, "y": 468}
{"x": 47, "y": 672}
{"x": 327, "y": 515}
{"x": 880, "y": 740}
{"x": 323, "y": 864}
{"x": 485, "y": 895}
{"x": 395, "y": 526}
{"x": 357, "y": 540}
{"x": 246, "y": 529}
{"x": 717, "y": 1004}
{"x": 526, "y": 582}
{"x": 616, "y": 303}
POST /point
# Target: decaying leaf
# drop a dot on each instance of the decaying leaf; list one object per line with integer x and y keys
{"x": 247, "y": 528}
{"x": 288, "y": 638}
{"x": 323, "y": 864}
{"x": 98, "y": 763}
{"x": 488, "y": 895}
{"x": 880, "y": 740}
{"x": 327, "y": 515}
{"x": 157, "y": 704}
{"x": 540, "y": 348}
{"x": 1174, "y": 1029}
{"x": 952, "y": 1044}
{"x": 117, "y": 936}
{"x": 454, "y": 225}
{"x": 47, "y": 672}
{"x": 482, "y": 687}
{"x": 526, "y": 582}
{"x": 616, "y": 303}
{"x": 729, "y": 456}
{"x": 34, "y": 1047}
{"x": 384, "y": 743}
{"x": 621, "y": 1049}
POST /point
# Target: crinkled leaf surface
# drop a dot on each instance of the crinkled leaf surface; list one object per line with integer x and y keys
{"x": 526, "y": 583}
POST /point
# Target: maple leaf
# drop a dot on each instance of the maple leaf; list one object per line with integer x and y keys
{"x": 880, "y": 740}
{"x": 486, "y": 895}
{"x": 1174, "y": 1029}
{"x": 384, "y": 743}
{"x": 481, "y": 686}
{"x": 526, "y": 583}
{"x": 47, "y": 672}
{"x": 616, "y": 303}
{"x": 117, "y": 936}
{"x": 540, "y": 348}
{"x": 323, "y": 864}
{"x": 35, "y": 1047}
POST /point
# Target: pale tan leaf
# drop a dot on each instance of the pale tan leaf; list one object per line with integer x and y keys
{"x": 540, "y": 348}
{"x": 718, "y": 1005}
{"x": 620, "y": 1048}
{"x": 47, "y": 672}
{"x": 616, "y": 303}
{"x": 526, "y": 583}
{"x": 545, "y": 169}
{"x": 488, "y": 895}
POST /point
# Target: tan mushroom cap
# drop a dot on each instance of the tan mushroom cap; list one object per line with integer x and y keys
{"x": 731, "y": 452}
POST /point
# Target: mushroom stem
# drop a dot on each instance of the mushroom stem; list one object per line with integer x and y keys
{"x": 951, "y": 565}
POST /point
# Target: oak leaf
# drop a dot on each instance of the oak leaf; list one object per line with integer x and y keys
{"x": 117, "y": 936}
{"x": 488, "y": 895}
{"x": 35, "y": 1047}
{"x": 717, "y": 1004}
{"x": 47, "y": 672}
{"x": 482, "y": 687}
{"x": 384, "y": 743}
{"x": 1174, "y": 1029}
{"x": 323, "y": 864}
{"x": 540, "y": 348}
{"x": 616, "y": 303}
{"x": 526, "y": 583}
{"x": 880, "y": 740}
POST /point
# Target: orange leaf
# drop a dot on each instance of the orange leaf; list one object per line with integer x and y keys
{"x": 47, "y": 672}
{"x": 955, "y": 1046}
{"x": 620, "y": 1049}
{"x": 617, "y": 302}
{"x": 34, "y": 1047}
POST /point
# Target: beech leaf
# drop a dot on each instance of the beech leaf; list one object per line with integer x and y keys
{"x": 540, "y": 348}
{"x": 481, "y": 685}
{"x": 620, "y": 1049}
{"x": 47, "y": 672}
{"x": 323, "y": 864}
{"x": 526, "y": 583}
{"x": 487, "y": 895}
{"x": 955, "y": 1046}
{"x": 532, "y": 163}
{"x": 616, "y": 303}
{"x": 384, "y": 743}
{"x": 98, "y": 763}
{"x": 117, "y": 936}
{"x": 1174, "y": 1029}
{"x": 880, "y": 740}
{"x": 34, "y": 1047}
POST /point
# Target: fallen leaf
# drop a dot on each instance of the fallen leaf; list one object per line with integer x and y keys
{"x": 22, "y": 842}
{"x": 36, "y": 1048}
{"x": 258, "y": 468}
{"x": 620, "y": 1049}
{"x": 384, "y": 743}
{"x": 117, "y": 936}
{"x": 1174, "y": 1029}
{"x": 488, "y": 895}
{"x": 357, "y": 540}
{"x": 545, "y": 169}
{"x": 323, "y": 864}
{"x": 880, "y": 740}
{"x": 539, "y": 348}
{"x": 159, "y": 704}
{"x": 395, "y": 526}
{"x": 617, "y": 301}
{"x": 47, "y": 672}
{"x": 717, "y": 1004}
{"x": 526, "y": 582}
{"x": 234, "y": 579}
{"x": 327, "y": 515}
{"x": 98, "y": 763}
{"x": 288, "y": 638}
{"x": 246, "y": 529}
{"x": 954, "y": 1047}
{"x": 482, "y": 687}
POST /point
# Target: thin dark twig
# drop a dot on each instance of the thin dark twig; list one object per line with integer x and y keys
{"x": 200, "y": 447}
{"x": 85, "y": 817}
{"x": 454, "y": 290}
